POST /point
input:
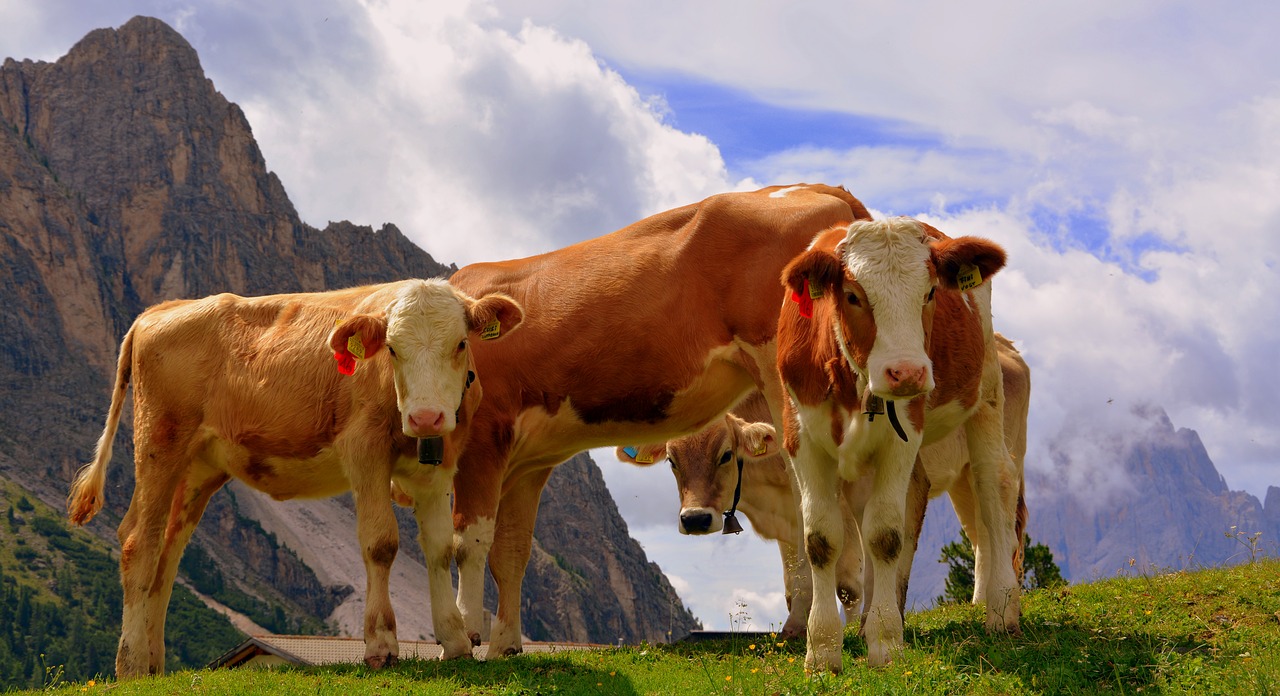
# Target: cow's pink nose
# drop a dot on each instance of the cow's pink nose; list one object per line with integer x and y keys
{"x": 905, "y": 378}
{"x": 426, "y": 421}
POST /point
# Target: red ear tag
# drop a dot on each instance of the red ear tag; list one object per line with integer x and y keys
{"x": 346, "y": 363}
{"x": 805, "y": 300}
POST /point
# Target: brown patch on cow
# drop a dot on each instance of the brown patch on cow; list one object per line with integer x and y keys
{"x": 262, "y": 445}
{"x": 915, "y": 413}
{"x": 462, "y": 554}
{"x": 886, "y": 544}
{"x": 790, "y": 428}
{"x": 902, "y": 596}
{"x": 384, "y": 552}
{"x": 164, "y": 432}
{"x": 258, "y": 469}
{"x": 644, "y": 407}
{"x": 819, "y": 549}
{"x": 837, "y": 426}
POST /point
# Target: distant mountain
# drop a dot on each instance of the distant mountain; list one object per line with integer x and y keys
{"x": 127, "y": 179}
{"x": 1154, "y": 498}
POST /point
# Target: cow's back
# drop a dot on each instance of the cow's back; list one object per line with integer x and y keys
{"x": 618, "y": 325}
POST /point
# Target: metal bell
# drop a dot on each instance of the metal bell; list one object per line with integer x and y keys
{"x": 431, "y": 450}
{"x": 731, "y": 524}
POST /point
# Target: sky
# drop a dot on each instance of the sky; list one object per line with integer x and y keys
{"x": 1125, "y": 154}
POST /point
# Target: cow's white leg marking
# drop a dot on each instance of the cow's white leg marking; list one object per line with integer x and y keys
{"x": 996, "y": 495}
{"x": 473, "y": 543}
{"x": 435, "y": 534}
{"x": 817, "y": 475}
{"x": 882, "y": 527}
{"x": 379, "y": 539}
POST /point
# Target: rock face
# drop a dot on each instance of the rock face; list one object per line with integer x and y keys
{"x": 1160, "y": 502}
{"x": 127, "y": 179}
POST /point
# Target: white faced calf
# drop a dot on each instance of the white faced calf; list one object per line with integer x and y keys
{"x": 240, "y": 387}
{"x": 888, "y": 346}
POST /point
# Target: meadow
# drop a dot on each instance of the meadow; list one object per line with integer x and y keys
{"x": 1209, "y": 631}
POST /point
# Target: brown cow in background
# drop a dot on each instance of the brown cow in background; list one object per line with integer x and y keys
{"x": 642, "y": 335}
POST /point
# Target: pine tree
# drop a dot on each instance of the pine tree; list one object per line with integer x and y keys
{"x": 1039, "y": 569}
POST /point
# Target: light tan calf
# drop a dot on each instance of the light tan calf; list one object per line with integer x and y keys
{"x": 240, "y": 387}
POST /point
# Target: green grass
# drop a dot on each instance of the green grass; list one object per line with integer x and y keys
{"x": 1203, "y": 632}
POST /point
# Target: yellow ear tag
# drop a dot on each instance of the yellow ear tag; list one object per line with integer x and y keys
{"x": 815, "y": 290}
{"x": 759, "y": 449}
{"x": 969, "y": 277}
{"x": 355, "y": 346}
{"x": 491, "y": 330}
{"x": 644, "y": 458}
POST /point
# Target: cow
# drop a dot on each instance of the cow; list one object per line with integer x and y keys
{"x": 888, "y": 346}
{"x": 641, "y": 335}
{"x": 246, "y": 387}
{"x": 708, "y": 481}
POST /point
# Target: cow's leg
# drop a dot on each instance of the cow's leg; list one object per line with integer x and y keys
{"x": 435, "y": 534}
{"x": 917, "y": 502}
{"x": 996, "y": 496}
{"x": 186, "y": 507}
{"x": 161, "y": 464}
{"x": 473, "y": 543}
{"x": 379, "y": 538}
{"x": 512, "y": 542}
{"x": 794, "y": 585}
{"x": 961, "y": 494}
{"x": 883, "y": 528}
{"x": 817, "y": 475}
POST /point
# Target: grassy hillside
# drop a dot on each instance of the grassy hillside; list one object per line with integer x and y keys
{"x": 60, "y": 602}
{"x": 1205, "y": 632}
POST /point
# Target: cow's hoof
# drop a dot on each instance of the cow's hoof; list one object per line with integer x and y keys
{"x": 380, "y": 661}
{"x": 815, "y": 663}
{"x": 461, "y": 652}
{"x": 508, "y": 652}
{"x": 475, "y": 638}
{"x": 792, "y": 632}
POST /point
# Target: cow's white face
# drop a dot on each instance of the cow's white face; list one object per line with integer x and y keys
{"x": 427, "y": 331}
{"x": 427, "y": 338}
{"x": 888, "y": 287}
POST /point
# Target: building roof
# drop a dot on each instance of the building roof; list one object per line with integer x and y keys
{"x": 270, "y": 649}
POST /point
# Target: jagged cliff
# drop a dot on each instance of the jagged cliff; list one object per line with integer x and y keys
{"x": 127, "y": 179}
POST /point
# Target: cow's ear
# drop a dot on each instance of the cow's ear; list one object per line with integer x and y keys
{"x": 753, "y": 440}
{"x": 362, "y": 333}
{"x": 642, "y": 455}
{"x": 966, "y": 262}
{"x": 819, "y": 267}
{"x": 493, "y": 316}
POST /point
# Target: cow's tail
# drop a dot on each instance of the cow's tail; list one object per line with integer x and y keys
{"x": 1020, "y": 532}
{"x": 86, "y": 497}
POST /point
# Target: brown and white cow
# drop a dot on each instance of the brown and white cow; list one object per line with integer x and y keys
{"x": 707, "y": 478}
{"x": 641, "y": 335}
{"x": 888, "y": 348}
{"x": 230, "y": 386}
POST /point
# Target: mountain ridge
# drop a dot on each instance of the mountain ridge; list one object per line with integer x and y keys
{"x": 126, "y": 178}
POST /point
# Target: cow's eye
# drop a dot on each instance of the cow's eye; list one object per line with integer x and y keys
{"x": 674, "y": 466}
{"x": 853, "y": 299}
{"x": 462, "y": 345}
{"x": 391, "y": 350}
{"x": 724, "y": 458}
{"x": 929, "y": 298}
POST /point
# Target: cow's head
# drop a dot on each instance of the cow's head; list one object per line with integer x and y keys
{"x": 705, "y": 466}
{"x": 880, "y": 282}
{"x": 427, "y": 330}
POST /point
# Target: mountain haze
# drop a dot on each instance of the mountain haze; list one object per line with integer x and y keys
{"x": 127, "y": 179}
